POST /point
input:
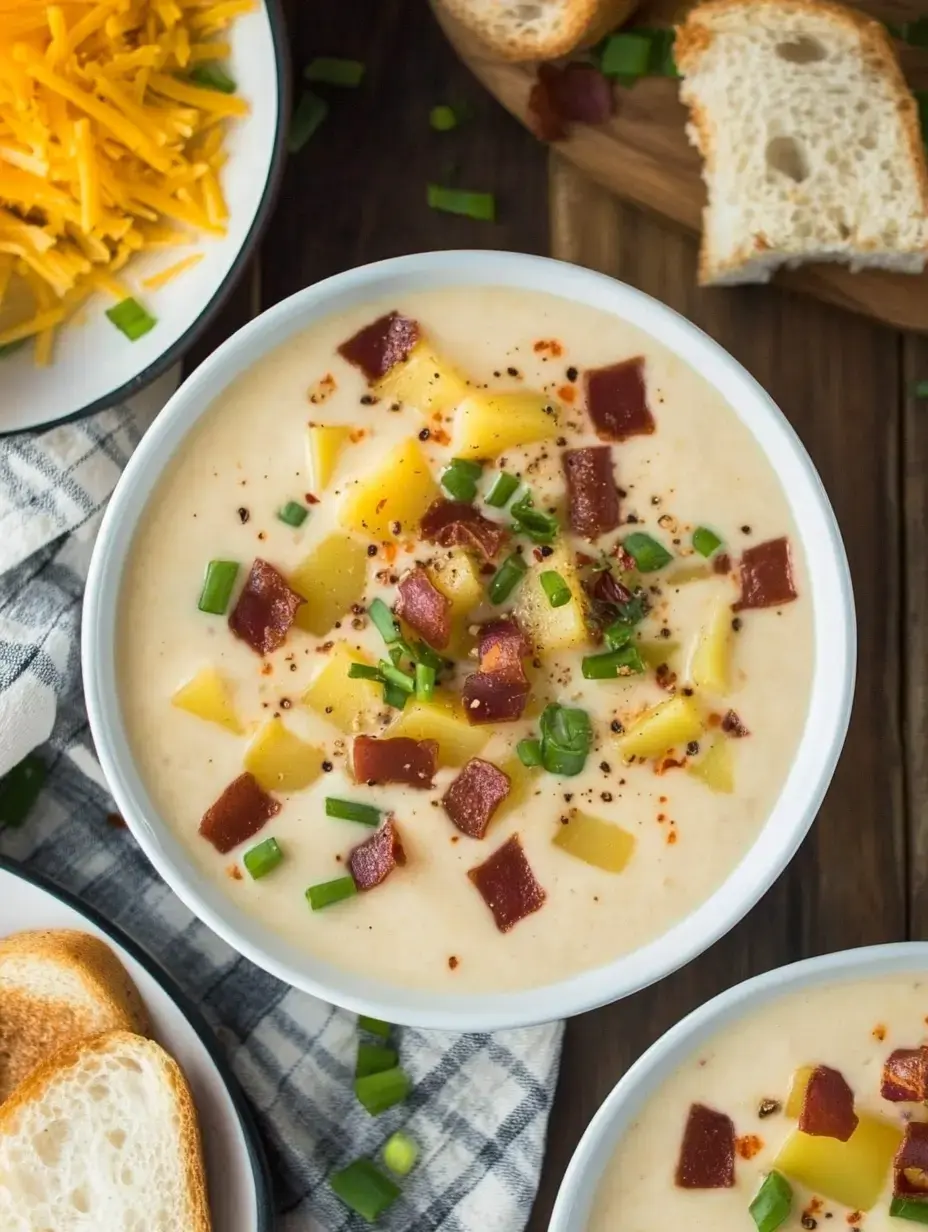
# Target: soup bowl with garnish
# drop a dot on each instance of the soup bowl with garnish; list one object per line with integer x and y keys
{"x": 470, "y": 642}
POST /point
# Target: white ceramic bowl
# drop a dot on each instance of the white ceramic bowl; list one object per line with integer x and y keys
{"x": 94, "y": 365}
{"x": 584, "y": 1173}
{"x": 816, "y": 755}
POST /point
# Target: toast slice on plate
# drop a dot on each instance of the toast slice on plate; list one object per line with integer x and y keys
{"x": 809, "y": 136}
{"x": 103, "y": 1136}
{"x": 58, "y": 987}
{"x": 539, "y": 29}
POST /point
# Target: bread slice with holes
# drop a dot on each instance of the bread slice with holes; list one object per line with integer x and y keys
{"x": 58, "y": 987}
{"x": 809, "y": 136}
{"x": 539, "y": 29}
{"x": 103, "y": 1138}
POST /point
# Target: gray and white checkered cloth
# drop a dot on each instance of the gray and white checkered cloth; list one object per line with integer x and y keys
{"x": 479, "y": 1105}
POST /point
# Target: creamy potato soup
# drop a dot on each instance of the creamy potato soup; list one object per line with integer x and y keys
{"x": 467, "y": 641}
{"x": 810, "y": 1113}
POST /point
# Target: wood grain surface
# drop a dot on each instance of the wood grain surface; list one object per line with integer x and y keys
{"x": 643, "y": 156}
{"x": 356, "y": 193}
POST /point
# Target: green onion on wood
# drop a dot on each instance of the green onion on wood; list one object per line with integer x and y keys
{"x": 477, "y": 205}
{"x": 19, "y": 790}
{"x": 333, "y": 71}
{"x": 311, "y": 110}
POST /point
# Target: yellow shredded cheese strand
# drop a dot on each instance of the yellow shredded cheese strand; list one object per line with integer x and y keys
{"x": 161, "y": 279}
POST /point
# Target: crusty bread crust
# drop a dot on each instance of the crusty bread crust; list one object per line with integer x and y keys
{"x": 35, "y": 1022}
{"x": 124, "y": 1043}
{"x": 584, "y": 22}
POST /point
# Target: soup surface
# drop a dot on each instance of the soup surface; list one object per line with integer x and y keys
{"x": 636, "y": 814}
{"x": 757, "y": 1074}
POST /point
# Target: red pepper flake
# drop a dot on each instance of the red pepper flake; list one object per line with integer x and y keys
{"x": 310, "y": 499}
{"x": 567, "y": 394}
{"x": 879, "y": 1032}
{"x": 576, "y": 93}
{"x": 855, "y": 1218}
{"x": 234, "y": 872}
{"x": 671, "y": 837}
{"x": 453, "y": 962}
{"x": 549, "y": 345}
{"x": 440, "y": 436}
{"x": 669, "y": 763}
{"x": 324, "y": 386}
{"x": 356, "y": 435}
{"x": 732, "y": 725}
{"x": 748, "y": 1145}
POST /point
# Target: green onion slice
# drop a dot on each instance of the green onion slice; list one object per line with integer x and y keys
{"x": 913, "y": 1209}
{"x": 260, "y": 860}
{"x": 502, "y": 490}
{"x": 443, "y": 118}
{"x": 378, "y": 1092}
{"x": 214, "y": 77}
{"x": 771, "y": 1205}
{"x": 374, "y": 1059}
{"x": 352, "y": 810}
{"x": 566, "y": 738}
{"x": 529, "y": 752}
{"x": 478, "y": 205}
{"x": 630, "y": 613}
{"x": 364, "y": 1189}
{"x": 626, "y": 55}
{"x": 311, "y": 110}
{"x": 705, "y": 541}
{"x": 400, "y": 1153}
{"x": 646, "y": 552}
{"x": 425, "y": 682}
{"x": 394, "y": 676}
{"x": 419, "y": 652}
{"x": 507, "y": 578}
{"x": 460, "y": 479}
{"x": 19, "y": 790}
{"x": 618, "y": 634}
{"x": 384, "y": 621}
{"x": 556, "y": 589}
{"x": 364, "y": 671}
{"x": 293, "y": 513}
{"x": 332, "y": 71}
{"x": 376, "y": 1026}
{"x": 625, "y": 661}
{"x": 540, "y": 527}
{"x": 919, "y": 389}
{"x": 217, "y": 586}
{"x": 394, "y": 696}
{"x": 131, "y": 319}
{"x": 327, "y": 893}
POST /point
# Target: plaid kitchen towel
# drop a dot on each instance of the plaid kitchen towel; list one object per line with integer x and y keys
{"x": 479, "y": 1105}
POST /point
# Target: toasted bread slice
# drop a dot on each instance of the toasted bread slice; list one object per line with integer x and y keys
{"x": 103, "y": 1138}
{"x": 809, "y": 136}
{"x": 58, "y": 987}
{"x": 539, "y": 29}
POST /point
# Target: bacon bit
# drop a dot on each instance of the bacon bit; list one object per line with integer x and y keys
{"x": 475, "y": 795}
{"x": 310, "y": 499}
{"x": 372, "y": 861}
{"x": 498, "y": 691}
{"x": 325, "y": 386}
{"x": 722, "y": 563}
{"x": 507, "y": 884}
{"x": 879, "y": 1032}
{"x": 707, "y": 1153}
{"x": 748, "y": 1145}
{"x": 854, "y": 1218}
{"x": 502, "y": 646}
{"x": 241, "y": 811}
{"x": 551, "y": 345}
{"x": 766, "y": 575}
{"x": 459, "y": 524}
{"x": 732, "y": 725}
{"x": 234, "y": 872}
{"x": 265, "y": 609}
{"x": 396, "y": 759}
{"x": 115, "y": 820}
{"x": 377, "y": 347}
{"x": 422, "y": 605}
{"x": 560, "y": 96}
{"x": 828, "y": 1106}
{"x": 606, "y": 588}
{"x": 905, "y": 1076}
{"x": 617, "y": 400}
{"x": 591, "y": 492}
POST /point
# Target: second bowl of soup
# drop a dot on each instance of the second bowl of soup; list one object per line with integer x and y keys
{"x": 469, "y": 640}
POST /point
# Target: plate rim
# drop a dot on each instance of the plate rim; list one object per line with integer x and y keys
{"x": 197, "y": 327}
{"x": 264, "y": 1188}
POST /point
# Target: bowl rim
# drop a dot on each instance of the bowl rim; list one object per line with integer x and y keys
{"x": 577, "y": 1192}
{"x": 816, "y": 755}
{"x": 220, "y": 297}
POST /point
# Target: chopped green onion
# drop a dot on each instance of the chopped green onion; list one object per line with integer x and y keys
{"x": 566, "y": 737}
{"x": 625, "y": 661}
{"x": 293, "y": 513}
{"x": 374, "y": 1059}
{"x": 378, "y": 1092}
{"x": 19, "y": 790}
{"x": 443, "y": 118}
{"x": 913, "y": 1209}
{"x": 646, "y": 552}
{"x": 327, "y": 893}
{"x": 556, "y": 589}
{"x": 460, "y": 479}
{"x": 364, "y": 671}
{"x": 12, "y": 347}
{"x": 376, "y": 1026}
{"x": 630, "y": 613}
{"x": 540, "y": 527}
{"x": 364, "y": 1189}
{"x": 217, "y": 586}
{"x": 506, "y": 578}
{"x": 502, "y": 490}
{"x": 397, "y": 677}
{"x": 618, "y": 634}
{"x": 919, "y": 389}
{"x": 351, "y": 810}
{"x": 421, "y": 653}
{"x": 260, "y": 860}
{"x": 311, "y": 110}
{"x": 478, "y": 205}
{"x": 131, "y": 319}
{"x": 384, "y": 621}
{"x": 400, "y": 1153}
{"x": 394, "y": 696}
{"x": 626, "y": 55}
{"x": 214, "y": 77}
{"x": 332, "y": 71}
{"x": 705, "y": 541}
{"x": 771, "y": 1205}
{"x": 529, "y": 752}
{"x": 425, "y": 682}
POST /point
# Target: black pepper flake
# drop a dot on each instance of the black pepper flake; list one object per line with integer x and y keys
{"x": 396, "y": 528}
{"x": 687, "y": 692}
{"x": 568, "y": 796}
{"x": 572, "y": 373}
{"x": 664, "y": 632}
{"x": 512, "y": 371}
{"x": 632, "y": 519}
{"x": 737, "y": 624}
{"x": 655, "y": 500}
{"x": 616, "y": 726}
{"x": 562, "y": 441}
{"x": 243, "y": 514}
{"x": 809, "y": 1221}
{"x": 767, "y": 1107}
{"x": 497, "y": 374}
{"x": 372, "y": 549}
{"x": 745, "y": 530}
{"x": 369, "y": 400}
{"x": 605, "y": 767}
{"x": 546, "y": 550}
{"x": 606, "y": 796}
{"x": 327, "y": 766}
{"x": 285, "y": 703}
{"x": 424, "y": 434}
{"x": 692, "y": 749}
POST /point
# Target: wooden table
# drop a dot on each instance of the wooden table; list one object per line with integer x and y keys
{"x": 356, "y": 193}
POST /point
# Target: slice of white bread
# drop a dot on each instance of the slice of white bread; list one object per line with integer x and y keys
{"x": 539, "y": 29}
{"x": 809, "y": 136}
{"x": 103, "y": 1138}
{"x": 58, "y": 987}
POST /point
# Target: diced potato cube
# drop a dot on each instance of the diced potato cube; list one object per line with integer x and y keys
{"x": 335, "y": 696}
{"x": 797, "y": 1091}
{"x": 521, "y": 782}
{"x": 424, "y": 381}
{"x": 595, "y": 842}
{"x": 852, "y": 1173}
{"x": 442, "y": 720}
{"x": 674, "y": 722}
{"x": 330, "y": 579}
{"x": 399, "y": 490}
{"x": 710, "y": 667}
{"x": 281, "y": 761}
{"x": 716, "y": 768}
{"x": 696, "y": 571}
{"x": 324, "y": 444}
{"x": 458, "y": 578}
{"x": 552, "y": 628}
{"x": 207, "y": 696}
{"x": 487, "y": 424}
{"x": 657, "y": 652}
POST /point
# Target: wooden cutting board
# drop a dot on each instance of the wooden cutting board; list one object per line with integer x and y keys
{"x": 643, "y": 156}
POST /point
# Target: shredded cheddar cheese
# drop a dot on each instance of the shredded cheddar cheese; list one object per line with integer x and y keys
{"x": 107, "y": 148}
